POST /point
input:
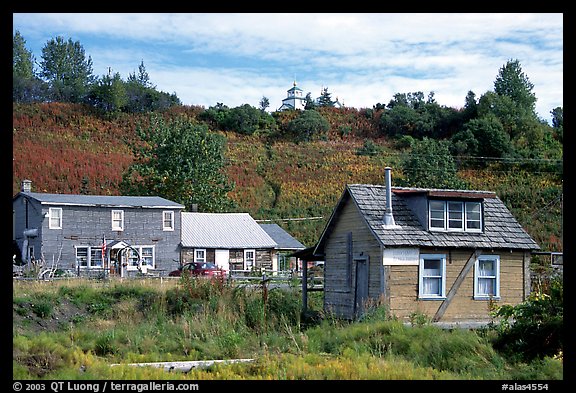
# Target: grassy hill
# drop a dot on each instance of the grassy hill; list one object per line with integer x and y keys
{"x": 68, "y": 148}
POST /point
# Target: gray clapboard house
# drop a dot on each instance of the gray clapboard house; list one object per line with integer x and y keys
{"x": 447, "y": 254}
{"x": 95, "y": 234}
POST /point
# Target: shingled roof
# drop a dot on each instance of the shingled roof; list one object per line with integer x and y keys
{"x": 501, "y": 229}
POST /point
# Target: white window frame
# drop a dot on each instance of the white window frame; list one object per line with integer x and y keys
{"x": 139, "y": 260}
{"x": 115, "y": 226}
{"x": 422, "y": 277}
{"x": 430, "y": 219}
{"x": 478, "y": 295}
{"x": 465, "y": 212}
{"x": 167, "y": 220}
{"x": 451, "y": 219}
{"x": 198, "y": 259}
{"x": 246, "y": 252}
{"x": 467, "y": 219}
{"x": 83, "y": 258}
{"x": 52, "y": 215}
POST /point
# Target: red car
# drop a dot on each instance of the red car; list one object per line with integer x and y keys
{"x": 199, "y": 269}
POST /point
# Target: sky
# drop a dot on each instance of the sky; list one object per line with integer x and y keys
{"x": 361, "y": 59}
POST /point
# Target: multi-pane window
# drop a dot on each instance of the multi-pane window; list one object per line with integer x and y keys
{"x": 147, "y": 256}
{"x": 249, "y": 259}
{"x": 82, "y": 256}
{"x": 89, "y": 257}
{"x": 117, "y": 220}
{"x": 487, "y": 277}
{"x": 432, "y": 276}
{"x": 199, "y": 255}
{"x": 55, "y": 214}
{"x": 168, "y": 220}
{"x": 473, "y": 216}
{"x": 140, "y": 256}
{"x": 455, "y": 216}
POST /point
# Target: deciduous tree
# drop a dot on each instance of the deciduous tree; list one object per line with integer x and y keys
{"x": 179, "y": 160}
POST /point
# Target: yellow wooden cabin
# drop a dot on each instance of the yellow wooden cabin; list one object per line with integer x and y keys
{"x": 447, "y": 254}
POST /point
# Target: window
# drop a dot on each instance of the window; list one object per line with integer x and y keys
{"x": 437, "y": 214}
{"x": 432, "y": 277}
{"x": 96, "y": 257}
{"x": 141, "y": 257}
{"x": 249, "y": 259}
{"x": 117, "y": 220}
{"x": 89, "y": 257}
{"x": 200, "y": 255}
{"x": 82, "y": 257}
{"x": 55, "y": 214}
{"x": 487, "y": 277}
{"x": 473, "y": 216}
{"x": 455, "y": 216}
{"x": 147, "y": 256}
{"x": 168, "y": 221}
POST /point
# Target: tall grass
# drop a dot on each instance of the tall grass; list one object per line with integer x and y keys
{"x": 189, "y": 319}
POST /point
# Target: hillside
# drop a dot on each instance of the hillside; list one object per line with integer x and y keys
{"x": 67, "y": 148}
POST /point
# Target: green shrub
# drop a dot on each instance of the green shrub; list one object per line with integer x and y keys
{"x": 532, "y": 329}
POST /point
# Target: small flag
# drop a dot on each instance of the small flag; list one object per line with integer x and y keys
{"x": 103, "y": 247}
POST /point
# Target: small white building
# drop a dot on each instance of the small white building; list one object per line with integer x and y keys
{"x": 294, "y": 100}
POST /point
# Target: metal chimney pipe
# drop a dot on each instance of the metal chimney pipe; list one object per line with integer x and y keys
{"x": 388, "y": 217}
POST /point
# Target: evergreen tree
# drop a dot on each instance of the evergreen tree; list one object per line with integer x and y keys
{"x": 325, "y": 99}
{"x": 26, "y": 87}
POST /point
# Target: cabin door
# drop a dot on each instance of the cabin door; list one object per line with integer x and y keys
{"x": 361, "y": 292}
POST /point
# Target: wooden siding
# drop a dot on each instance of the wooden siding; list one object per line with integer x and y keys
{"x": 338, "y": 293}
{"x": 236, "y": 256}
{"x": 403, "y": 287}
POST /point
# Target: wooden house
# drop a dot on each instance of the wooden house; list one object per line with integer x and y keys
{"x": 97, "y": 234}
{"x": 233, "y": 241}
{"x": 287, "y": 244}
{"x": 447, "y": 254}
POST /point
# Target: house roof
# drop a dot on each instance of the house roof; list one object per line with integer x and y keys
{"x": 101, "y": 200}
{"x": 223, "y": 230}
{"x": 501, "y": 229}
{"x": 284, "y": 239}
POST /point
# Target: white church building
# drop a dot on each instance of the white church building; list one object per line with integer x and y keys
{"x": 294, "y": 100}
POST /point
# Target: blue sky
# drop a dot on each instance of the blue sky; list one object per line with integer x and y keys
{"x": 363, "y": 59}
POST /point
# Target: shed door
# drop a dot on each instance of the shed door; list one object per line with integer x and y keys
{"x": 222, "y": 259}
{"x": 361, "y": 292}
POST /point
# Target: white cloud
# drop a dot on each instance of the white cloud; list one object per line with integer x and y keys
{"x": 363, "y": 58}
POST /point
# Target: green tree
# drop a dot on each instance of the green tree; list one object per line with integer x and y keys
{"x": 512, "y": 82}
{"x": 26, "y": 87}
{"x": 558, "y": 123}
{"x": 109, "y": 94}
{"x": 244, "y": 119}
{"x": 325, "y": 99}
{"x": 308, "y": 126}
{"x": 67, "y": 70}
{"x": 493, "y": 141}
{"x": 22, "y": 58}
{"x": 264, "y": 103}
{"x": 430, "y": 164}
{"x": 309, "y": 102}
{"x": 179, "y": 160}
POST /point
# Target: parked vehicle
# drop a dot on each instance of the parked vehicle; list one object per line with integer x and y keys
{"x": 198, "y": 269}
